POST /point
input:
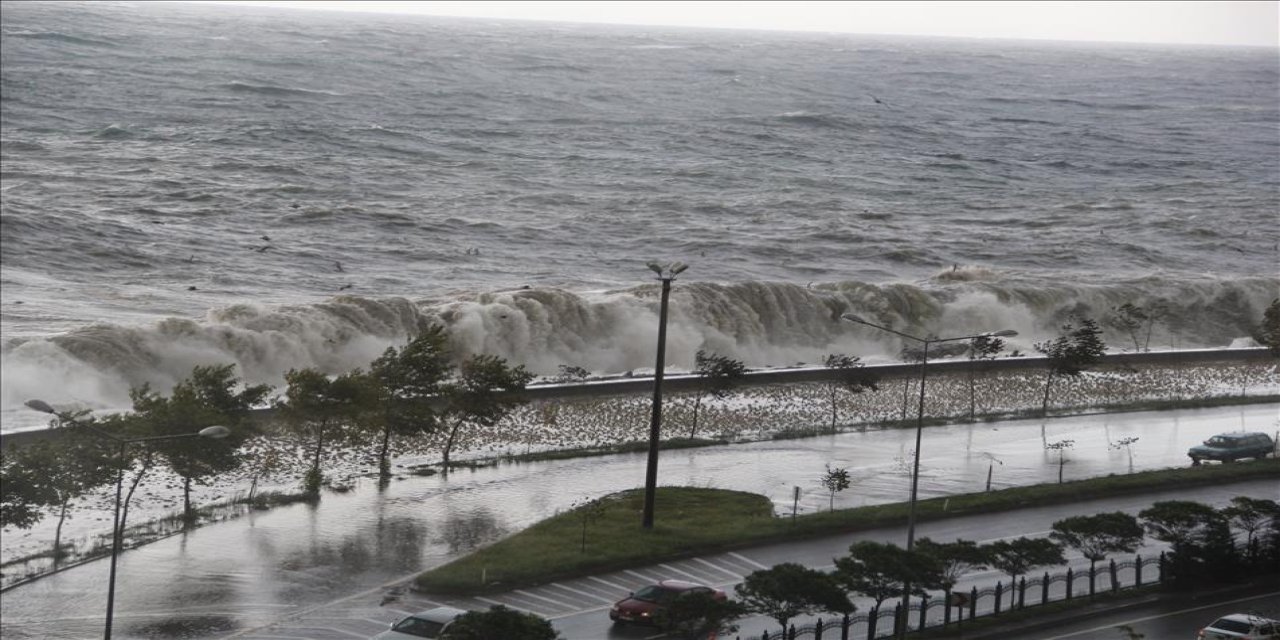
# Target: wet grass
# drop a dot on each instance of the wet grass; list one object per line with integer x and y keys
{"x": 693, "y": 521}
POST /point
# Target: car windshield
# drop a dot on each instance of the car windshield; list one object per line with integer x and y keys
{"x": 654, "y": 594}
{"x": 1231, "y": 625}
{"x": 1218, "y": 441}
{"x": 418, "y": 627}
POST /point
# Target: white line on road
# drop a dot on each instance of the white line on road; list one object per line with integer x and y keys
{"x": 580, "y": 592}
{"x": 641, "y": 576}
{"x": 1162, "y": 615}
{"x": 719, "y": 568}
{"x": 534, "y": 595}
{"x": 611, "y": 584}
{"x": 685, "y": 573}
{"x": 507, "y": 605}
{"x": 747, "y": 560}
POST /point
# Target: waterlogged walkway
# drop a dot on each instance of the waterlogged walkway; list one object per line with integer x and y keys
{"x": 246, "y": 574}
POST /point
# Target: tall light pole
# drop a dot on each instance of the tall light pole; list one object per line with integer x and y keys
{"x": 666, "y": 273}
{"x": 117, "y": 532}
{"x": 915, "y": 467}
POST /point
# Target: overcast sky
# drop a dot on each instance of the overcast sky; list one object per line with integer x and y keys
{"x": 1231, "y": 23}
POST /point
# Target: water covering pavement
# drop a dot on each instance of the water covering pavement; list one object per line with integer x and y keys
{"x": 249, "y": 572}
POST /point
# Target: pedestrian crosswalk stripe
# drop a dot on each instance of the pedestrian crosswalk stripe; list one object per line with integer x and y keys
{"x": 675, "y": 570}
{"x": 717, "y": 567}
{"x": 611, "y": 584}
{"x": 579, "y": 592}
{"x": 552, "y": 601}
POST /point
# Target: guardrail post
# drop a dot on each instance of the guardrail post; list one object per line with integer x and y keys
{"x": 791, "y": 635}
{"x": 1070, "y": 581}
{"x": 844, "y": 627}
{"x": 1022, "y": 593}
{"x": 1137, "y": 569}
{"x": 1164, "y": 568}
{"x": 817, "y": 630}
{"x": 1115, "y": 577}
{"x": 924, "y": 611}
{"x": 946, "y": 609}
{"x": 999, "y": 591}
{"x": 1044, "y": 589}
{"x": 973, "y": 603}
{"x": 873, "y": 619}
{"x": 1092, "y": 574}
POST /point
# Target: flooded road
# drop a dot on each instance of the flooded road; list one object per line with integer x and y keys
{"x": 250, "y": 571}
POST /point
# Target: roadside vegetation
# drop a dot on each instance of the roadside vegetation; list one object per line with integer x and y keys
{"x": 693, "y": 521}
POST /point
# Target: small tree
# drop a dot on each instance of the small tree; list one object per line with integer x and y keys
{"x": 1127, "y": 445}
{"x": 407, "y": 381}
{"x": 699, "y": 615}
{"x": 835, "y": 481}
{"x": 1097, "y": 535}
{"x": 846, "y": 376}
{"x": 952, "y": 559}
{"x": 485, "y": 390}
{"x": 1251, "y": 515}
{"x": 880, "y": 571}
{"x": 1077, "y": 348}
{"x": 1268, "y": 333}
{"x": 788, "y": 590}
{"x": 501, "y": 623}
{"x": 208, "y": 397}
{"x": 980, "y": 348}
{"x": 1018, "y": 556}
{"x": 23, "y": 495}
{"x": 1185, "y": 525}
{"x": 319, "y": 411}
{"x": 1061, "y": 447}
{"x": 1136, "y": 322}
{"x": 589, "y": 511}
{"x": 56, "y": 473}
{"x": 717, "y": 377}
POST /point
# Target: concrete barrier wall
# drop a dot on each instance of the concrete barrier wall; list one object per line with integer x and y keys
{"x": 680, "y": 383}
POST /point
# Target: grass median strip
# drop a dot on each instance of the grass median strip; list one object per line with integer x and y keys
{"x": 693, "y": 521}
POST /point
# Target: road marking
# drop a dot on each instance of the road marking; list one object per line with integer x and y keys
{"x": 747, "y": 560}
{"x": 675, "y": 570}
{"x": 1163, "y": 615}
{"x": 641, "y": 576}
{"x": 534, "y": 595}
{"x": 507, "y": 605}
{"x": 402, "y": 612}
{"x": 611, "y": 584}
{"x": 719, "y": 568}
{"x": 580, "y": 592}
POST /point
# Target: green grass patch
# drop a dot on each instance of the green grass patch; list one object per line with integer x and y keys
{"x": 692, "y": 521}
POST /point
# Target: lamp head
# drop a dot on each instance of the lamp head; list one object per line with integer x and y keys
{"x": 1004, "y": 333}
{"x": 216, "y": 431}
{"x": 655, "y": 267}
{"x": 678, "y": 267}
{"x": 41, "y": 406}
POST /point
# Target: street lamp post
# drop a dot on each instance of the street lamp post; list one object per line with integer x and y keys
{"x": 116, "y": 532}
{"x": 915, "y": 466}
{"x": 666, "y": 273}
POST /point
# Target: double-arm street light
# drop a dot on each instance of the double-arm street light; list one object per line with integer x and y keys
{"x": 915, "y": 468}
{"x": 666, "y": 273}
{"x": 116, "y": 533}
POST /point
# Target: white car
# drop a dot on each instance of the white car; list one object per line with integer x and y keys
{"x": 432, "y": 623}
{"x": 1244, "y": 626}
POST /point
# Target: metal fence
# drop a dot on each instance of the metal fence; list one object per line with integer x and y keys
{"x": 932, "y": 612}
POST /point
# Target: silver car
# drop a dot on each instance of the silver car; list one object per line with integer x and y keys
{"x": 432, "y": 623}
{"x": 1241, "y": 625}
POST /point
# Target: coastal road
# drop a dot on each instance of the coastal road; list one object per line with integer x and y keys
{"x": 1175, "y": 619}
{"x": 578, "y": 608}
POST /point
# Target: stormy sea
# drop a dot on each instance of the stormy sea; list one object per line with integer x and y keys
{"x": 189, "y": 184}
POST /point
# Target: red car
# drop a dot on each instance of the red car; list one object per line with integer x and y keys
{"x": 647, "y": 605}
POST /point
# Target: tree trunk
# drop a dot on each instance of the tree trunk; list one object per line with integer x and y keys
{"x": 124, "y": 506}
{"x": 384, "y": 462}
{"x": 906, "y": 393}
{"x": 448, "y": 443}
{"x": 1044, "y": 408}
{"x": 187, "y": 516}
{"x": 57, "y": 534}
{"x": 697, "y": 405}
{"x": 973, "y": 393}
{"x": 834, "y": 409}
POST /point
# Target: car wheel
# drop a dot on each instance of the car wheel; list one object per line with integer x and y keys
{"x": 1195, "y": 462}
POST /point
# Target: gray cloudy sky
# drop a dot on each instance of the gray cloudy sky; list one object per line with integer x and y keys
{"x": 1231, "y": 23}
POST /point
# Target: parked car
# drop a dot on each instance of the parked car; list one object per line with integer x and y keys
{"x": 648, "y": 605}
{"x": 432, "y": 623}
{"x": 1229, "y": 447}
{"x": 1241, "y": 625}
